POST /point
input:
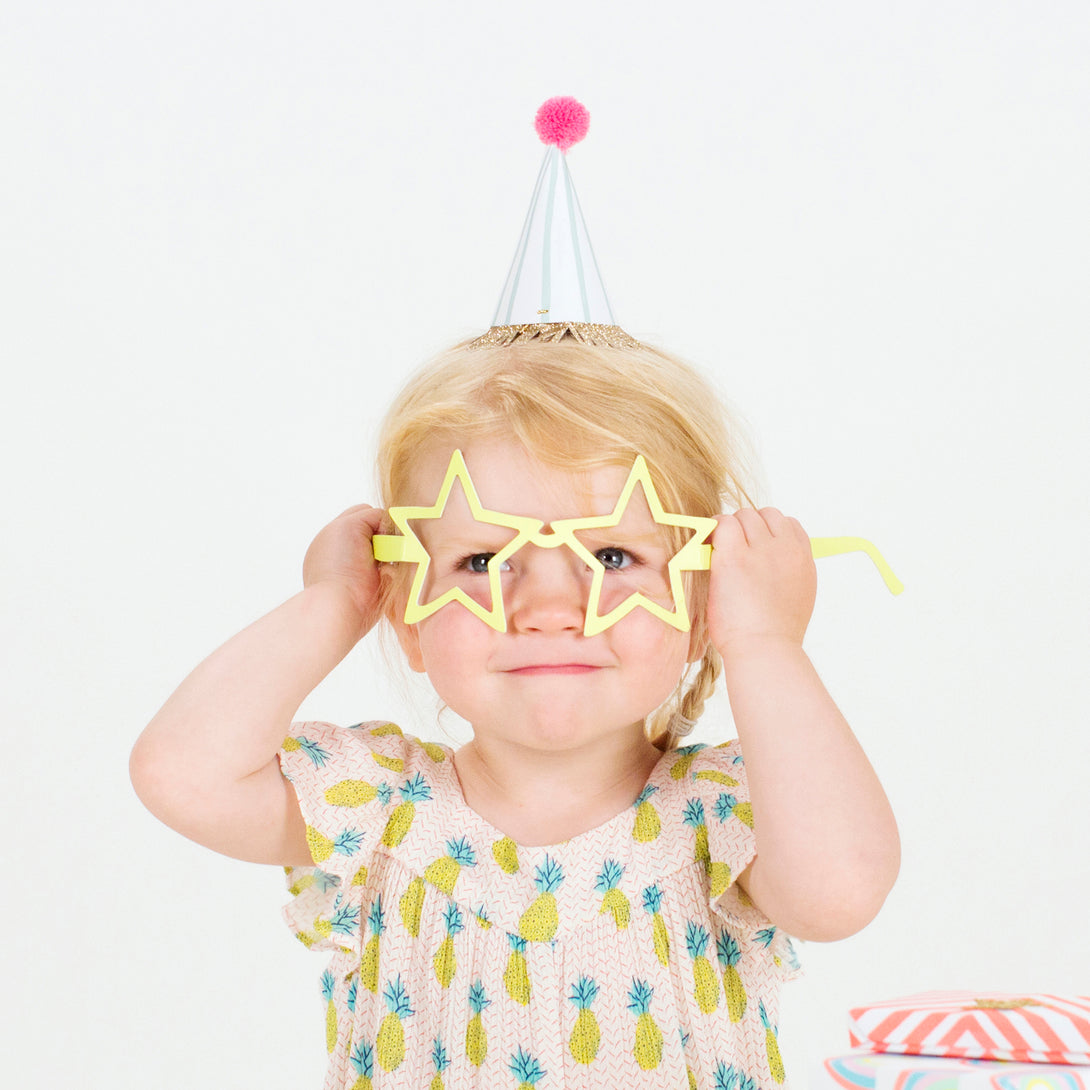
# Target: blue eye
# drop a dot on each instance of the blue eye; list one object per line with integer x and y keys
{"x": 477, "y": 563}
{"x": 614, "y": 559}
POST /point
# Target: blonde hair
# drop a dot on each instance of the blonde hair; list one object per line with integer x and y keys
{"x": 580, "y": 407}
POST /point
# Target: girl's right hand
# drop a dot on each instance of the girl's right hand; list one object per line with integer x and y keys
{"x": 341, "y": 555}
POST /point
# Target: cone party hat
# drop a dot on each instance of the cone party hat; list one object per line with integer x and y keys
{"x": 554, "y": 289}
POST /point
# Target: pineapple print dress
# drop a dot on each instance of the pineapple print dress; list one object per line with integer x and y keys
{"x": 626, "y": 956}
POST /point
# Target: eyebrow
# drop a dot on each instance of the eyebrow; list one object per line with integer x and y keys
{"x": 489, "y": 539}
{"x": 615, "y": 533}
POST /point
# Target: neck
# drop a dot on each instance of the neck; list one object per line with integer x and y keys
{"x": 540, "y": 797}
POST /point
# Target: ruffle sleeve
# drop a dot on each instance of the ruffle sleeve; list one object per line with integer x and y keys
{"x": 718, "y": 778}
{"x": 344, "y": 778}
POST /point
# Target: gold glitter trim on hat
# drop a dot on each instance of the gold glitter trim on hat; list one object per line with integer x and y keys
{"x": 610, "y": 336}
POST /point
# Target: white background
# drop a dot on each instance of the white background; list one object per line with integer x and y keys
{"x": 228, "y": 231}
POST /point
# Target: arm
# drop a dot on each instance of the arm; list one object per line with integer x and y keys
{"x": 206, "y": 765}
{"x": 827, "y": 844}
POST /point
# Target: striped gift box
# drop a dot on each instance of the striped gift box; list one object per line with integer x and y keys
{"x": 1033, "y": 1028}
{"x": 878, "y": 1071}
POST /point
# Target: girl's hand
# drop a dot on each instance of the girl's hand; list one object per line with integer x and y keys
{"x": 341, "y": 555}
{"x": 763, "y": 580}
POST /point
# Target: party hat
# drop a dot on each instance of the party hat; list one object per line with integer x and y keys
{"x": 554, "y": 289}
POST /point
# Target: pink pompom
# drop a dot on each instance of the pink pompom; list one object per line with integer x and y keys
{"x": 562, "y": 121}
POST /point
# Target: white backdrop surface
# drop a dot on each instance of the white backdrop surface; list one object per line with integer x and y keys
{"x": 229, "y": 230}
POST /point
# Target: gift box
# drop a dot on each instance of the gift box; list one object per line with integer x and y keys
{"x": 1035, "y": 1028}
{"x": 889, "y": 1071}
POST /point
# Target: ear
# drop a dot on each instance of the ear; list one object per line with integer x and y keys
{"x": 409, "y": 639}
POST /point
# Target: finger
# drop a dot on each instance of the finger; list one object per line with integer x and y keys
{"x": 775, "y": 520}
{"x": 728, "y": 534}
{"x": 797, "y": 531}
{"x": 359, "y": 508}
{"x": 781, "y": 525}
{"x": 753, "y": 525}
{"x": 371, "y": 520}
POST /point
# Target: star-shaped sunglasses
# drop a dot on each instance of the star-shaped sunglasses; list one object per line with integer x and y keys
{"x": 693, "y": 555}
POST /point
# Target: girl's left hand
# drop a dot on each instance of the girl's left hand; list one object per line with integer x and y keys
{"x": 763, "y": 579}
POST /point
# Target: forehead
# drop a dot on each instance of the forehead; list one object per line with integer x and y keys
{"x": 509, "y": 479}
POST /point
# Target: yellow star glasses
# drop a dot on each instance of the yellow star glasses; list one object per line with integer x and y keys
{"x": 694, "y": 554}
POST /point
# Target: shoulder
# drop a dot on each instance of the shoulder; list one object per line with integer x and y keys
{"x": 708, "y": 770}
{"x": 371, "y": 748}
{"x": 347, "y": 778}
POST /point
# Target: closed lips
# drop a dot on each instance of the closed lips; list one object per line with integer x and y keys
{"x": 555, "y": 668}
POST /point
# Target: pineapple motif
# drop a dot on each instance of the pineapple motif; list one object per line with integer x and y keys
{"x": 321, "y": 847}
{"x": 705, "y": 984}
{"x": 304, "y": 881}
{"x": 613, "y": 900}
{"x": 715, "y": 776}
{"x": 729, "y": 954}
{"x": 719, "y": 876}
{"x": 353, "y": 994}
{"x": 505, "y": 853}
{"x": 516, "y": 976}
{"x": 317, "y": 755}
{"x": 390, "y": 1043}
{"x": 410, "y": 904}
{"x": 476, "y": 1035}
{"x": 539, "y": 922}
{"x": 728, "y": 1077}
{"x": 345, "y": 919}
{"x": 362, "y": 1059}
{"x": 434, "y": 752}
{"x": 688, "y": 1070}
{"x": 328, "y": 985}
{"x": 586, "y": 1036}
{"x": 307, "y": 938}
{"x": 441, "y": 1062}
{"x": 648, "y": 1044}
{"x": 718, "y": 872}
{"x": 444, "y": 961}
{"x": 526, "y": 1069}
{"x": 685, "y": 757}
{"x": 647, "y": 825}
{"x": 386, "y": 729}
{"x": 693, "y": 816}
{"x": 351, "y": 793}
{"x": 413, "y": 791}
{"x": 360, "y": 877}
{"x": 652, "y": 902}
{"x": 394, "y": 764}
{"x": 765, "y": 937}
{"x": 772, "y": 1045}
{"x": 444, "y": 871}
{"x": 376, "y": 922}
{"x": 727, "y": 804}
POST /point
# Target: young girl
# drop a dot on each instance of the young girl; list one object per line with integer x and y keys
{"x": 568, "y": 900}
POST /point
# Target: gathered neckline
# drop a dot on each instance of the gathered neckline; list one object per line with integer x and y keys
{"x": 492, "y": 832}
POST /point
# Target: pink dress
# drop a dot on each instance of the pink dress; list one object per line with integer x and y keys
{"x": 624, "y": 957}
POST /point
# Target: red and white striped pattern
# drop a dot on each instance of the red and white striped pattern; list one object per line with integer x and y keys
{"x": 1027, "y": 1028}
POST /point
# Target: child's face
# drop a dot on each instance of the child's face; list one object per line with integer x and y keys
{"x": 542, "y": 682}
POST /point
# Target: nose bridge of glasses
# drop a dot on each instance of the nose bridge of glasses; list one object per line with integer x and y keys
{"x": 549, "y": 580}
{"x": 545, "y": 537}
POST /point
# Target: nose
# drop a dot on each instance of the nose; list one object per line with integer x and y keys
{"x": 549, "y": 592}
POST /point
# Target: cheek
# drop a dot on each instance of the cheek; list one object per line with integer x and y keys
{"x": 662, "y": 651}
{"x": 453, "y": 644}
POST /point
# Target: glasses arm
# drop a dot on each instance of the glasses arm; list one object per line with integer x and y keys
{"x": 834, "y": 546}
